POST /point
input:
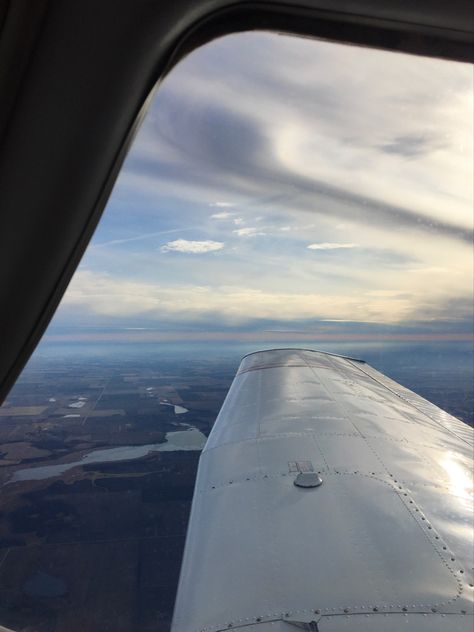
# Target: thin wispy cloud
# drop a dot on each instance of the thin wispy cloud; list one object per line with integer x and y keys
{"x": 192, "y": 247}
{"x": 126, "y": 240}
{"x": 223, "y": 215}
{"x": 330, "y": 246}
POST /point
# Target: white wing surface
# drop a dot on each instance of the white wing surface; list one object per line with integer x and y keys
{"x": 329, "y": 498}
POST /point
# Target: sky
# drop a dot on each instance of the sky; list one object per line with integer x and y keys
{"x": 283, "y": 184}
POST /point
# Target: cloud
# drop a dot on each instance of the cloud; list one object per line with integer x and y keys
{"x": 113, "y": 297}
{"x": 220, "y": 149}
{"x": 223, "y": 215}
{"x": 250, "y": 231}
{"x": 192, "y": 247}
{"x": 388, "y": 294}
{"x": 410, "y": 146}
{"x": 330, "y": 246}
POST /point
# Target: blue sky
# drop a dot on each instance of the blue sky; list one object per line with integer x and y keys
{"x": 286, "y": 183}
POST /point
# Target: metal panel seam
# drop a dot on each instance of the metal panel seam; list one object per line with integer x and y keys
{"x": 410, "y": 403}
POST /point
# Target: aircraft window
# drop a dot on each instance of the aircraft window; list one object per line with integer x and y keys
{"x": 281, "y": 192}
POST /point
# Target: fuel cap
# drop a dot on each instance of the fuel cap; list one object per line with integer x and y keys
{"x": 308, "y": 479}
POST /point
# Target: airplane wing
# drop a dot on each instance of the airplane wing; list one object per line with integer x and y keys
{"x": 329, "y": 498}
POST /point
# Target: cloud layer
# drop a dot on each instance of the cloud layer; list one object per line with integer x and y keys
{"x": 111, "y": 297}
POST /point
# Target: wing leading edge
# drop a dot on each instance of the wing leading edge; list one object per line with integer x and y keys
{"x": 384, "y": 542}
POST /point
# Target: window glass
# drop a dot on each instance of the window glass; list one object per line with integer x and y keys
{"x": 281, "y": 192}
